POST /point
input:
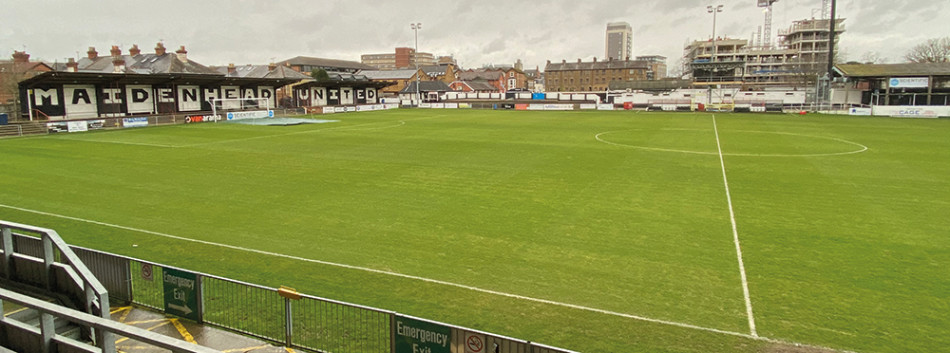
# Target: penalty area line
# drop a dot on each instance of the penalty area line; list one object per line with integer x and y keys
{"x": 401, "y": 275}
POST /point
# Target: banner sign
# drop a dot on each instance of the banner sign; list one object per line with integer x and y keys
{"x": 414, "y": 336}
{"x": 911, "y": 111}
{"x": 558, "y": 106}
{"x": 588, "y": 106}
{"x": 605, "y": 107}
{"x": 251, "y": 114}
{"x": 200, "y": 118}
{"x": 860, "y": 111}
{"x": 908, "y": 82}
{"x": 134, "y": 122}
{"x": 76, "y": 126}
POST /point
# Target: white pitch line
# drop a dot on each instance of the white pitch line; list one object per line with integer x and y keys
{"x": 396, "y": 274}
{"x": 116, "y": 142}
{"x": 735, "y": 236}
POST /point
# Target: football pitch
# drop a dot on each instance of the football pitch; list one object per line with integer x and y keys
{"x": 592, "y": 231}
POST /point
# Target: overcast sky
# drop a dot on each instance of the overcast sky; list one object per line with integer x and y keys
{"x": 475, "y": 32}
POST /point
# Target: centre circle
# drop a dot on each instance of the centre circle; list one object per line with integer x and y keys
{"x": 733, "y": 143}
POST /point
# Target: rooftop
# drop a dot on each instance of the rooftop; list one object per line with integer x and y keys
{"x": 885, "y": 70}
{"x": 321, "y": 62}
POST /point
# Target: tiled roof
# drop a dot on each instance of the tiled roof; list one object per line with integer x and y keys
{"x": 886, "y": 70}
{"x": 434, "y": 70}
{"x": 321, "y": 62}
{"x": 167, "y": 63}
{"x": 481, "y": 86}
{"x": 483, "y": 75}
{"x": 596, "y": 65}
{"x": 426, "y": 86}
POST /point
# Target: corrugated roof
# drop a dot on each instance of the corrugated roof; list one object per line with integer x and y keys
{"x": 388, "y": 74}
{"x": 886, "y": 70}
{"x": 262, "y": 71}
{"x": 597, "y": 65}
{"x": 311, "y": 61}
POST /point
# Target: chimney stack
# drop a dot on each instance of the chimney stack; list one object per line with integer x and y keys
{"x": 578, "y": 61}
{"x": 160, "y": 49}
{"x": 272, "y": 67}
{"x": 115, "y": 51}
{"x": 92, "y": 54}
{"x": 182, "y": 54}
{"x": 72, "y": 65}
{"x": 231, "y": 69}
{"x": 20, "y": 57}
{"x": 595, "y": 59}
{"x": 118, "y": 63}
{"x": 134, "y": 50}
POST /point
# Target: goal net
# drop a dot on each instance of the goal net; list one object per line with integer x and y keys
{"x": 241, "y": 108}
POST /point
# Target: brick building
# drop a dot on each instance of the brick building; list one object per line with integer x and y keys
{"x": 591, "y": 76}
{"x": 396, "y": 79}
{"x": 402, "y": 58}
{"x": 14, "y": 71}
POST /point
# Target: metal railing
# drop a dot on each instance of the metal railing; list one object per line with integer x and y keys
{"x": 59, "y": 264}
{"x": 47, "y": 330}
{"x": 299, "y": 321}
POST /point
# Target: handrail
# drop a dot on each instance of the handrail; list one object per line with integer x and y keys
{"x": 100, "y": 324}
{"x": 95, "y": 292}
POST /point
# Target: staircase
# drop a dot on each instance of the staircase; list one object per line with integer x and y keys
{"x": 30, "y": 318}
{"x": 23, "y": 129}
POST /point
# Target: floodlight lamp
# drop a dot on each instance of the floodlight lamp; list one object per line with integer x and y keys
{"x": 709, "y": 9}
{"x": 719, "y": 8}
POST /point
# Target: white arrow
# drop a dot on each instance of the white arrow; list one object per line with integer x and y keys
{"x": 184, "y": 309}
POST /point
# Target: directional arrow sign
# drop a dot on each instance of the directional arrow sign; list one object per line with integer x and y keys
{"x": 184, "y": 309}
{"x": 181, "y": 293}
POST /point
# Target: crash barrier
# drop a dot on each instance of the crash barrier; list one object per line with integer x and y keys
{"x": 281, "y": 315}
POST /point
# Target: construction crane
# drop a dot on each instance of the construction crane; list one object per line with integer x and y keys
{"x": 767, "y": 26}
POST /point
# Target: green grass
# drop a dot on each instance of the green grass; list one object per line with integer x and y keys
{"x": 848, "y": 251}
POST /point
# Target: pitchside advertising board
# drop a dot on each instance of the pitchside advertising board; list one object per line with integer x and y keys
{"x": 85, "y": 101}
{"x": 908, "y": 82}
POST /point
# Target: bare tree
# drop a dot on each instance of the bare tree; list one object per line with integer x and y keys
{"x": 872, "y": 57}
{"x": 934, "y": 50}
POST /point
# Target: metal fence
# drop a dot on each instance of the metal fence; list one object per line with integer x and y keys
{"x": 297, "y": 321}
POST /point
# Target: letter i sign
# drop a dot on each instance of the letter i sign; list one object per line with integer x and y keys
{"x": 474, "y": 343}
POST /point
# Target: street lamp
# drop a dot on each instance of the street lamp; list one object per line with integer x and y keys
{"x": 415, "y": 28}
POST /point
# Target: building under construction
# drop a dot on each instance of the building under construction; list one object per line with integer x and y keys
{"x": 799, "y": 57}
